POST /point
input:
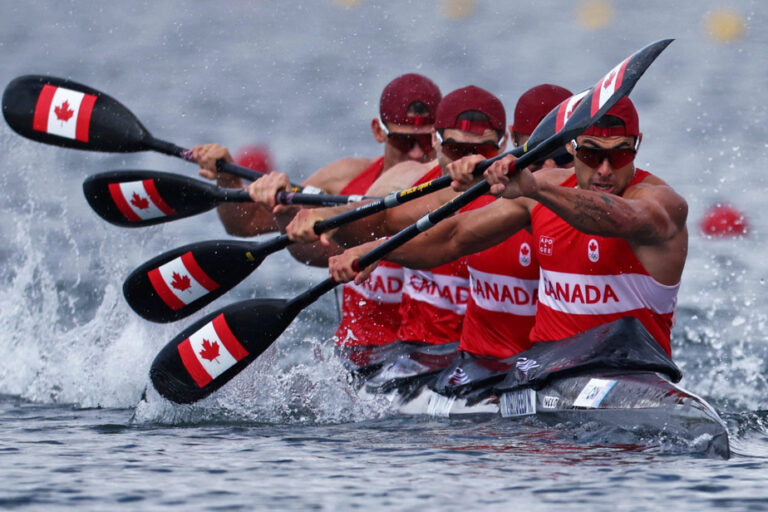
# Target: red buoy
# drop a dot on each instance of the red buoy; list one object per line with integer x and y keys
{"x": 722, "y": 220}
{"x": 254, "y": 157}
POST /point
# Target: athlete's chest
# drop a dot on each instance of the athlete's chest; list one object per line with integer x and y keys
{"x": 560, "y": 247}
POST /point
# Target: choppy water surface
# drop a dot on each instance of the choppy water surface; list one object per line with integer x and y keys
{"x": 290, "y": 433}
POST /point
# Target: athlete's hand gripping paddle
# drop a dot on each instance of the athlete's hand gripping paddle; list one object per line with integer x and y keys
{"x": 143, "y": 198}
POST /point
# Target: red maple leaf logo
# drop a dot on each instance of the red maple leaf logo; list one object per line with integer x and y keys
{"x": 210, "y": 350}
{"x": 64, "y": 113}
{"x": 524, "y": 250}
{"x": 142, "y": 203}
{"x": 609, "y": 80}
{"x": 180, "y": 283}
{"x": 593, "y": 246}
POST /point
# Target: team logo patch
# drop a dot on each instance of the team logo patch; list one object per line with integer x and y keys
{"x": 546, "y": 245}
{"x": 525, "y": 254}
{"x": 593, "y": 250}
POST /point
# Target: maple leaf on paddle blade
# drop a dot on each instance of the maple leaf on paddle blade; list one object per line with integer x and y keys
{"x": 210, "y": 350}
{"x": 63, "y": 113}
{"x": 180, "y": 283}
{"x": 142, "y": 203}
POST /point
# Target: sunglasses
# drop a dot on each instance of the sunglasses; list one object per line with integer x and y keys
{"x": 593, "y": 157}
{"x": 455, "y": 150}
{"x": 404, "y": 142}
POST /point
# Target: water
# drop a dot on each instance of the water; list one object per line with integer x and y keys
{"x": 289, "y": 433}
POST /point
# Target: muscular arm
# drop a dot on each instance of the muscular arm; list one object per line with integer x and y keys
{"x": 331, "y": 179}
{"x": 246, "y": 219}
{"x": 649, "y": 213}
{"x": 464, "y": 233}
{"x": 392, "y": 220}
{"x": 650, "y": 216}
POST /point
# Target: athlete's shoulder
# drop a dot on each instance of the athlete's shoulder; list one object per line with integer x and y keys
{"x": 645, "y": 182}
{"x": 399, "y": 177}
{"x": 335, "y": 176}
{"x": 651, "y": 187}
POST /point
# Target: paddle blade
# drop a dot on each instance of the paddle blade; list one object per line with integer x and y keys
{"x": 210, "y": 352}
{"x": 579, "y": 112}
{"x": 182, "y": 281}
{"x": 143, "y": 198}
{"x": 65, "y": 113}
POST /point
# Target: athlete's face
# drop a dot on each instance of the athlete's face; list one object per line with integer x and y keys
{"x": 407, "y": 142}
{"x": 453, "y": 144}
{"x": 604, "y": 164}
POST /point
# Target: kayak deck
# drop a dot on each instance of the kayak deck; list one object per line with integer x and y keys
{"x": 634, "y": 396}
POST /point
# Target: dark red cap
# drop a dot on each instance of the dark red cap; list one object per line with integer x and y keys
{"x": 254, "y": 157}
{"x": 471, "y": 98}
{"x": 624, "y": 110}
{"x": 534, "y": 104}
{"x": 400, "y": 93}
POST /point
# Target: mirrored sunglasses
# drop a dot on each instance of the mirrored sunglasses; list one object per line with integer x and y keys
{"x": 404, "y": 142}
{"x": 593, "y": 157}
{"x": 454, "y": 149}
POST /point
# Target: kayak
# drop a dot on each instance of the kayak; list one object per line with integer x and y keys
{"x": 614, "y": 377}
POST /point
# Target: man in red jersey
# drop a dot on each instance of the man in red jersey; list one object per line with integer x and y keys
{"x": 469, "y": 120}
{"x": 611, "y": 239}
{"x": 504, "y": 278}
{"x": 406, "y": 113}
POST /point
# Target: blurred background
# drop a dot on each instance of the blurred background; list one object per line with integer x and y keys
{"x": 303, "y": 78}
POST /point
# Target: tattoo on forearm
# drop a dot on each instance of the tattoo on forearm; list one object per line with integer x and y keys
{"x": 588, "y": 210}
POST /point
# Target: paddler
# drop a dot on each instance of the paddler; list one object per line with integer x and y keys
{"x": 469, "y": 121}
{"x": 611, "y": 239}
{"x": 407, "y": 109}
{"x": 504, "y": 278}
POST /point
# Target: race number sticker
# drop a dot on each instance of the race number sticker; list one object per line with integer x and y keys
{"x": 518, "y": 403}
{"x": 594, "y": 393}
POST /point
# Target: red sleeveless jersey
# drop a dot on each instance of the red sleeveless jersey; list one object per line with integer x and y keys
{"x": 588, "y": 280}
{"x": 434, "y": 301}
{"x": 503, "y": 284}
{"x": 370, "y": 311}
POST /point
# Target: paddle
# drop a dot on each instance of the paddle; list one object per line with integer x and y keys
{"x": 154, "y": 291}
{"x": 64, "y": 113}
{"x": 210, "y": 352}
{"x": 143, "y": 198}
